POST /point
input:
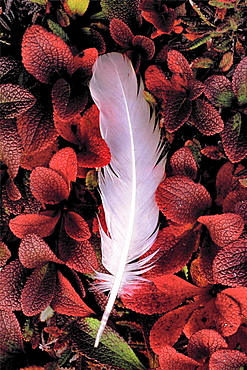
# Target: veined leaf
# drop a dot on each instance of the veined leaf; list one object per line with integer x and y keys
{"x": 78, "y": 7}
{"x": 58, "y": 31}
{"x": 112, "y": 350}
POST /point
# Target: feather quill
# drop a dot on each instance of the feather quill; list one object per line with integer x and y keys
{"x": 128, "y": 184}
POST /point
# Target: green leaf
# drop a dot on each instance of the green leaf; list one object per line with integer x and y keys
{"x": 78, "y": 7}
{"x": 221, "y": 5}
{"x": 112, "y": 350}
{"x": 58, "y": 31}
{"x": 239, "y": 82}
{"x": 198, "y": 42}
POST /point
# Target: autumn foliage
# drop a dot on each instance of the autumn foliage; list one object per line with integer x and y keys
{"x": 190, "y": 313}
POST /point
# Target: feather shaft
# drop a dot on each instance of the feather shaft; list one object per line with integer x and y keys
{"x": 128, "y": 184}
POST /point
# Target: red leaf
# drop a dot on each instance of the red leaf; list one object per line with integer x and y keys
{"x": 14, "y": 100}
{"x": 227, "y": 360}
{"x": 34, "y": 252}
{"x": 240, "y": 296}
{"x": 241, "y": 209}
{"x": 213, "y": 152}
{"x": 121, "y": 33}
{"x": 170, "y": 291}
{"x": 44, "y": 54}
{"x": 39, "y": 290}
{"x": 10, "y": 333}
{"x": 76, "y": 227}
{"x": 239, "y": 81}
{"x": 183, "y": 163}
{"x": 159, "y": 15}
{"x": 223, "y": 228}
{"x": 169, "y": 327}
{"x": 206, "y": 118}
{"x": 11, "y": 149}
{"x": 5, "y": 253}
{"x": 12, "y": 278}
{"x": 219, "y": 90}
{"x": 170, "y": 359}
{"x": 31, "y": 160}
{"x": 86, "y": 59}
{"x": 230, "y": 264}
{"x": 177, "y": 63}
{"x": 67, "y": 101}
{"x": 65, "y": 163}
{"x": 173, "y": 252}
{"x": 204, "y": 343}
{"x": 156, "y": 81}
{"x": 238, "y": 338}
{"x": 66, "y": 301}
{"x": 48, "y": 186}
{"x": 181, "y": 200}
{"x": 79, "y": 256}
{"x": 41, "y": 225}
{"x": 233, "y": 199}
{"x": 36, "y": 129}
{"x": 97, "y": 153}
{"x": 221, "y": 313}
{"x": 234, "y": 139}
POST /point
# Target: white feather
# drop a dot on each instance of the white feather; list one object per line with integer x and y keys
{"x": 128, "y": 184}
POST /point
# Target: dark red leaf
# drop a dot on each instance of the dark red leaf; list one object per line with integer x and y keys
{"x": 66, "y": 301}
{"x": 239, "y": 82}
{"x": 182, "y": 200}
{"x": 65, "y": 163}
{"x": 221, "y": 313}
{"x": 36, "y": 129}
{"x": 234, "y": 139}
{"x": 219, "y": 90}
{"x": 12, "y": 278}
{"x": 227, "y": 360}
{"x": 97, "y": 153}
{"x": 196, "y": 88}
{"x": 14, "y": 100}
{"x": 238, "y": 338}
{"x": 41, "y": 225}
{"x": 170, "y": 359}
{"x": 11, "y": 148}
{"x": 158, "y": 14}
{"x": 206, "y": 118}
{"x": 183, "y": 163}
{"x": 169, "y": 327}
{"x": 225, "y": 181}
{"x": 79, "y": 256}
{"x": 241, "y": 209}
{"x": 213, "y": 152}
{"x": 44, "y": 54}
{"x": 144, "y": 45}
{"x": 34, "y": 252}
{"x": 175, "y": 110}
{"x": 230, "y": 264}
{"x": 5, "y": 253}
{"x": 121, "y": 33}
{"x": 233, "y": 198}
{"x": 173, "y": 252}
{"x": 10, "y": 333}
{"x": 223, "y": 228}
{"x": 39, "y": 290}
{"x": 177, "y": 63}
{"x": 9, "y": 68}
{"x": 76, "y": 227}
{"x": 26, "y": 202}
{"x": 204, "y": 343}
{"x": 12, "y": 190}
{"x": 48, "y": 186}
{"x": 67, "y": 101}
